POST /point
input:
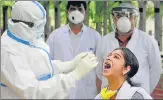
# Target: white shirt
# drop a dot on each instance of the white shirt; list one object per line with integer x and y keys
{"x": 75, "y": 38}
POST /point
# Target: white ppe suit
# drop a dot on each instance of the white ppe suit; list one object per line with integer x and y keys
{"x": 26, "y": 68}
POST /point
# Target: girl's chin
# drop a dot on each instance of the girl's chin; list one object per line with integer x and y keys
{"x": 106, "y": 71}
{"x": 106, "y": 74}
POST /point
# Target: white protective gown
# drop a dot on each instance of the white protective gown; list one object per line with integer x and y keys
{"x": 62, "y": 49}
{"x": 22, "y": 67}
{"x": 145, "y": 49}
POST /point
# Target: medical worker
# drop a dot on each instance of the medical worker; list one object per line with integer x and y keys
{"x": 140, "y": 43}
{"x": 68, "y": 41}
{"x": 27, "y": 71}
{"x": 119, "y": 66}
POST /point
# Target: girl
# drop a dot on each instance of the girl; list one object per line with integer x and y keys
{"x": 121, "y": 65}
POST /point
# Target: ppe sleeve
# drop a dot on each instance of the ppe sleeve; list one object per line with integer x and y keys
{"x": 154, "y": 60}
{"x": 68, "y": 66}
{"x": 63, "y": 67}
{"x": 18, "y": 76}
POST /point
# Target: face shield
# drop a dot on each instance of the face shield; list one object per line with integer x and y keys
{"x": 124, "y": 14}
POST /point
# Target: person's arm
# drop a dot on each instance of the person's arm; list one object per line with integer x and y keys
{"x": 18, "y": 76}
{"x": 99, "y": 68}
{"x": 68, "y": 66}
{"x": 154, "y": 60}
{"x": 98, "y": 84}
{"x": 50, "y": 42}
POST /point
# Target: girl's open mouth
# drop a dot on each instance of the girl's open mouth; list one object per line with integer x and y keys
{"x": 107, "y": 66}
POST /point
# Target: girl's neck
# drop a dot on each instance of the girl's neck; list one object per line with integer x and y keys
{"x": 115, "y": 84}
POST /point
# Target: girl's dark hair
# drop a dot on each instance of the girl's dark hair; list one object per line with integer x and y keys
{"x": 130, "y": 60}
{"x": 76, "y": 3}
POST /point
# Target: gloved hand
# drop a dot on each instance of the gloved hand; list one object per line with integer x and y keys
{"x": 85, "y": 65}
{"x": 68, "y": 66}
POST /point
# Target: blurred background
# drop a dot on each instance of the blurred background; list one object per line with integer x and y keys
{"x": 98, "y": 17}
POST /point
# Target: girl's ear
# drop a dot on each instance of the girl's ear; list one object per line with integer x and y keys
{"x": 126, "y": 70}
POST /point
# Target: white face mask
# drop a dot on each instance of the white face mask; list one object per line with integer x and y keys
{"x": 10, "y": 24}
{"x": 39, "y": 28}
{"x": 123, "y": 25}
{"x": 76, "y": 17}
{"x": 39, "y": 32}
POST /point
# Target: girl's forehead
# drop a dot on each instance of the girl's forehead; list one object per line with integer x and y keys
{"x": 117, "y": 52}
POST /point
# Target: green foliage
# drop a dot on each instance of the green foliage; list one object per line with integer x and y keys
{"x": 162, "y": 9}
{"x": 99, "y": 11}
{"x": 51, "y": 4}
{"x": 150, "y": 10}
{"x": 111, "y": 5}
{"x": 7, "y": 3}
{"x": 63, "y": 11}
{"x": 92, "y": 7}
{"x": 95, "y": 11}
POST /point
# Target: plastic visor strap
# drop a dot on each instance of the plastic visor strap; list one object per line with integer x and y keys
{"x": 46, "y": 77}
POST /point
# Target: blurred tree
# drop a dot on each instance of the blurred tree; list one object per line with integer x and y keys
{"x": 63, "y": 12}
{"x": 57, "y": 14}
{"x": 98, "y": 15}
{"x": 86, "y": 21}
{"x": 105, "y": 17}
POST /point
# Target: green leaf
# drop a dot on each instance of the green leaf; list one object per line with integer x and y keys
{"x": 7, "y": 3}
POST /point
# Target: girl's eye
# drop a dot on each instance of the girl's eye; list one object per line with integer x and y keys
{"x": 116, "y": 57}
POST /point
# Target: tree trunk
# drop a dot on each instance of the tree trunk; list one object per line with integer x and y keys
{"x": 98, "y": 24}
{"x": 105, "y": 18}
{"x": 46, "y": 6}
{"x": 87, "y": 14}
{"x": 142, "y": 10}
{"x": 158, "y": 22}
{"x": 110, "y": 26}
{"x": 161, "y": 20}
{"x": 57, "y": 14}
{"x": 5, "y": 18}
